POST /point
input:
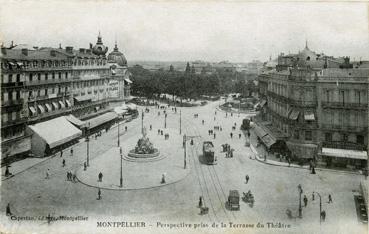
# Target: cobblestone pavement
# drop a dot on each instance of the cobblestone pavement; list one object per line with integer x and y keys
{"x": 274, "y": 188}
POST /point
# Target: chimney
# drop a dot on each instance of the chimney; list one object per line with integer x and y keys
{"x": 90, "y": 45}
{"x": 81, "y": 50}
{"x": 69, "y": 49}
{"x": 53, "y": 53}
{"x": 25, "y": 52}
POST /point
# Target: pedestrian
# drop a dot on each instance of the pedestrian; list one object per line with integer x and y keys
{"x": 158, "y": 131}
{"x": 305, "y": 200}
{"x": 220, "y": 128}
{"x": 63, "y": 162}
{"x": 100, "y": 177}
{"x": 8, "y": 212}
{"x": 163, "y": 178}
{"x": 71, "y": 151}
{"x": 200, "y": 201}
{"x": 247, "y": 178}
{"x": 203, "y": 122}
{"x": 84, "y": 166}
{"x": 99, "y": 194}
{"x": 231, "y": 114}
{"x": 226, "y": 114}
{"x": 214, "y": 135}
{"x": 239, "y": 136}
{"x": 322, "y": 214}
{"x": 7, "y": 173}
{"x": 313, "y": 196}
{"x": 150, "y": 127}
{"x": 68, "y": 176}
{"x": 313, "y": 170}
{"x": 47, "y": 174}
{"x": 74, "y": 178}
{"x": 61, "y": 153}
{"x": 126, "y": 128}
{"x": 329, "y": 198}
{"x": 231, "y": 135}
{"x": 161, "y": 132}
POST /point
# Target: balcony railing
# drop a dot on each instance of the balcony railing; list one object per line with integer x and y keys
{"x": 13, "y": 122}
{"x": 12, "y": 85}
{"x": 343, "y": 127}
{"x": 344, "y": 105}
{"x": 49, "y": 81}
{"x": 12, "y": 102}
{"x": 344, "y": 145}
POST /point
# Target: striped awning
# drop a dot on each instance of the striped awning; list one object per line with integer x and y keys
{"x": 33, "y": 110}
{"x": 41, "y": 108}
{"x": 55, "y": 105}
{"x": 48, "y": 107}
{"x": 68, "y": 103}
{"x": 294, "y": 114}
{"x": 62, "y": 105}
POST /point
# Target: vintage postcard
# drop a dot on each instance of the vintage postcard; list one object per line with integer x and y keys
{"x": 184, "y": 117}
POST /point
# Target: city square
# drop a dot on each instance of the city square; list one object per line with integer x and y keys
{"x": 174, "y": 117}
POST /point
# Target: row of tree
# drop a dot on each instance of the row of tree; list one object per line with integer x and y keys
{"x": 187, "y": 84}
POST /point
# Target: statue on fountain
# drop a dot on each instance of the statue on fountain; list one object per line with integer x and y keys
{"x": 144, "y": 146}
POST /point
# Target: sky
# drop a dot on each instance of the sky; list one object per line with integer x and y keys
{"x": 237, "y": 31}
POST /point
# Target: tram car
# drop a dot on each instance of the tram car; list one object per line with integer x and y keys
{"x": 208, "y": 152}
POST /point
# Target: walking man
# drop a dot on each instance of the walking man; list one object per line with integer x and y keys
{"x": 71, "y": 151}
{"x": 239, "y": 135}
{"x": 214, "y": 135}
{"x": 100, "y": 177}
{"x": 247, "y": 178}
{"x": 329, "y": 198}
{"x": 305, "y": 200}
{"x": 313, "y": 196}
{"x": 200, "y": 201}
{"x": 8, "y": 212}
{"x": 47, "y": 174}
{"x": 99, "y": 194}
{"x": 231, "y": 135}
{"x": 84, "y": 166}
{"x": 63, "y": 162}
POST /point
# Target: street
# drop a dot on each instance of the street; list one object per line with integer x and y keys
{"x": 275, "y": 188}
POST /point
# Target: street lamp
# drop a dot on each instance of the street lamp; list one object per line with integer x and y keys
{"x": 121, "y": 168}
{"x": 165, "y": 120}
{"x": 118, "y": 132}
{"x": 185, "y": 153}
{"x": 88, "y": 151}
{"x": 180, "y": 122}
{"x": 142, "y": 121}
{"x": 300, "y": 193}
{"x": 320, "y": 208}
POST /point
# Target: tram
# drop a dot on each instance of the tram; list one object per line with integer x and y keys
{"x": 208, "y": 152}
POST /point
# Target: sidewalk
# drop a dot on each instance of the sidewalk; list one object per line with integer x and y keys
{"x": 260, "y": 158}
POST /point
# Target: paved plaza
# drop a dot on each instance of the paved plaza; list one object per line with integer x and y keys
{"x": 144, "y": 198}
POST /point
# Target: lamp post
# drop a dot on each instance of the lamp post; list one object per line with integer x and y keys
{"x": 118, "y": 132}
{"x": 165, "y": 120}
{"x": 320, "y": 208}
{"x": 121, "y": 168}
{"x": 180, "y": 122}
{"x": 300, "y": 193}
{"x": 142, "y": 121}
{"x": 185, "y": 153}
{"x": 88, "y": 151}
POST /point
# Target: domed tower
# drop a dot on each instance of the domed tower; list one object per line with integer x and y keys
{"x": 117, "y": 57}
{"x": 99, "y": 49}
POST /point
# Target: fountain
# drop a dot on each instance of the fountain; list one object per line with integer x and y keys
{"x": 144, "y": 148}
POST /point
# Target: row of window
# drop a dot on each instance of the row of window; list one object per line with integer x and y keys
{"x": 345, "y": 96}
{"x": 12, "y": 132}
{"x": 10, "y": 116}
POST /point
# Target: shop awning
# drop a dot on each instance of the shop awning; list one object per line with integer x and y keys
{"x": 74, "y": 120}
{"x": 268, "y": 140}
{"x": 262, "y": 103}
{"x": 82, "y": 98}
{"x": 55, "y": 105}
{"x": 33, "y": 110}
{"x": 62, "y": 105}
{"x": 48, "y": 107}
{"x": 309, "y": 116}
{"x": 68, "y": 103}
{"x": 41, "y": 108}
{"x": 294, "y": 114}
{"x": 56, "y": 131}
{"x": 259, "y": 131}
{"x": 128, "y": 81}
{"x": 344, "y": 153}
{"x": 97, "y": 121}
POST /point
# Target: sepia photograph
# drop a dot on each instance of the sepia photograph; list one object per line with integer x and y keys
{"x": 184, "y": 117}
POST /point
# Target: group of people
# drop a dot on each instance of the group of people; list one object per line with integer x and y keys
{"x": 71, "y": 177}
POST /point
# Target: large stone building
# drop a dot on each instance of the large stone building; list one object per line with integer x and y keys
{"x": 38, "y": 84}
{"x": 315, "y": 107}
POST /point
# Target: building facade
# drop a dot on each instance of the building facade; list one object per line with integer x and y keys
{"x": 315, "y": 107}
{"x": 39, "y": 84}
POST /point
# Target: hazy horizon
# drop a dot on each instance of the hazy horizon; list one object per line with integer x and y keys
{"x": 211, "y": 31}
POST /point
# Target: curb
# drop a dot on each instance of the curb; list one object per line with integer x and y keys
{"x": 296, "y": 166}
